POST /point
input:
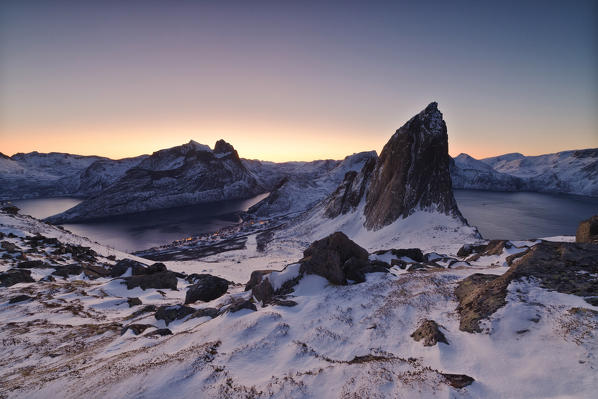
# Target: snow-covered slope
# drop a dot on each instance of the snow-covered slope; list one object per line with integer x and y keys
{"x": 184, "y": 175}
{"x": 299, "y": 192}
{"x": 35, "y": 175}
{"x": 78, "y": 336}
{"x": 568, "y": 172}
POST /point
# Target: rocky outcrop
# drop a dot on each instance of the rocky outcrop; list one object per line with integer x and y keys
{"x": 15, "y": 276}
{"x": 587, "y": 231}
{"x": 185, "y": 175}
{"x": 160, "y": 280}
{"x": 429, "y": 332}
{"x": 172, "y": 313}
{"x": 563, "y": 267}
{"x": 412, "y": 172}
{"x": 206, "y": 288}
{"x": 348, "y": 195}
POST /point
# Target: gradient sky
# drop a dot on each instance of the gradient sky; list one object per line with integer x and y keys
{"x": 284, "y": 80}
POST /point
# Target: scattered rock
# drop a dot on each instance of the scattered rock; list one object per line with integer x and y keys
{"x": 556, "y": 265}
{"x": 458, "y": 380}
{"x": 160, "y": 331}
{"x": 209, "y": 312}
{"x": 34, "y": 264}
{"x": 235, "y": 307}
{"x": 587, "y": 231}
{"x": 136, "y": 328}
{"x": 159, "y": 280}
{"x": 20, "y": 298}
{"x": 206, "y": 288}
{"x": 9, "y": 247}
{"x": 68, "y": 270}
{"x": 172, "y": 313}
{"x": 134, "y": 302}
{"x": 145, "y": 309}
{"x": 430, "y": 332}
{"x": 15, "y": 276}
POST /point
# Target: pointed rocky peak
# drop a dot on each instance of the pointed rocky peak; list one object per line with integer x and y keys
{"x": 222, "y": 147}
{"x": 412, "y": 172}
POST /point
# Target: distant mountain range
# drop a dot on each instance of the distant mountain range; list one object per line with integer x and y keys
{"x": 194, "y": 173}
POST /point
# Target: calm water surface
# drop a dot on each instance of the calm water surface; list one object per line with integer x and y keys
{"x": 146, "y": 229}
{"x": 497, "y": 215}
{"x": 520, "y": 216}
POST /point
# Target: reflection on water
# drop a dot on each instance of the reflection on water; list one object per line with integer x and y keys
{"x": 147, "y": 229}
{"x": 520, "y": 216}
{"x": 497, "y": 215}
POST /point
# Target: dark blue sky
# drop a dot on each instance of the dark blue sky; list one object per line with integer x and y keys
{"x": 296, "y": 80}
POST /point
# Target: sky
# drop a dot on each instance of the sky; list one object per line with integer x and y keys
{"x": 296, "y": 80}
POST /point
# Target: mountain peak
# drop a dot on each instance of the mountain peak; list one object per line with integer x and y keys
{"x": 222, "y": 147}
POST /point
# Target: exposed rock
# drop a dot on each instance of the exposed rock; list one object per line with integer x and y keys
{"x": 145, "y": 309}
{"x": 68, "y": 270}
{"x": 430, "y": 332}
{"x": 136, "y": 328}
{"x": 327, "y": 257}
{"x": 263, "y": 291}
{"x": 172, "y": 313}
{"x": 415, "y": 254}
{"x": 160, "y": 331}
{"x": 93, "y": 271}
{"x": 458, "y": 380}
{"x": 15, "y": 276}
{"x": 235, "y": 307}
{"x": 9, "y": 247}
{"x": 468, "y": 249}
{"x": 587, "y": 231}
{"x": 134, "y": 302}
{"x": 206, "y": 288}
{"x": 205, "y": 312}
{"x": 34, "y": 264}
{"x": 350, "y": 192}
{"x": 11, "y": 209}
{"x": 159, "y": 280}
{"x": 412, "y": 172}
{"x": 494, "y": 247}
{"x": 262, "y": 239}
{"x": 558, "y": 266}
{"x": 256, "y": 278}
{"x": 20, "y": 298}
{"x": 156, "y": 268}
{"x": 121, "y": 267}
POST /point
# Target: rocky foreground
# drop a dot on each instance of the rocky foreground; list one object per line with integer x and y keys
{"x": 495, "y": 319}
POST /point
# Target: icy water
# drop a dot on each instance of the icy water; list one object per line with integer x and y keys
{"x": 497, "y": 215}
{"x": 146, "y": 229}
{"x": 520, "y": 216}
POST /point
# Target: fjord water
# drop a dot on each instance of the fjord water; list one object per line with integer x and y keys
{"x": 146, "y": 229}
{"x": 515, "y": 216}
{"x": 524, "y": 215}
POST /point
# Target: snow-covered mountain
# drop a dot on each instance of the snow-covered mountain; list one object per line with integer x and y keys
{"x": 39, "y": 175}
{"x": 567, "y": 172}
{"x": 184, "y": 175}
{"x": 298, "y": 192}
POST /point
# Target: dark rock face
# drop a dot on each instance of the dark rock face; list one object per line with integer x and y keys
{"x": 136, "y": 328}
{"x": 327, "y": 257}
{"x": 348, "y": 195}
{"x": 587, "y": 231}
{"x": 430, "y": 332}
{"x": 412, "y": 172}
{"x": 556, "y": 265}
{"x": 20, "y": 298}
{"x": 206, "y": 288}
{"x": 15, "y": 276}
{"x": 172, "y": 313}
{"x": 161, "y": 280}
{"x": 121, "y": 267}
{"x": 222, "y": 147}
{"x": 134, "y": 302}
{"x": 458, "y": 380}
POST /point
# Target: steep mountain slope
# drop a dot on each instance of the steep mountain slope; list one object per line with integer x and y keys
{"x": 567, "y": 172}
{"x": 469, "y": 173}
{"x": 404, "y": 195}
{"x": 299, "y": 192}
{"x": 185, "y": 175}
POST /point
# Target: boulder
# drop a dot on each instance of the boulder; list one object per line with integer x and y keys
{"x": 15, "y": 276}
{"x": 235, "y": 307}
{"x": 121, "y": 267}
{"x": 256, "y": 278}
{"x": 430, "y": 333}
{"x": 68, "y": 270}
{"x": 134, "y": 302}
{"x": 159, "y": 280}
{"x": 206, "y": 288}
{"x": 205, "y": 312}
{"x": 458, "y": 380}
{"x": 587, "y": 231}
{"x": 172, "y": 313}
{"x": 160, "y": 331}
{"x": 327, "y": 257}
